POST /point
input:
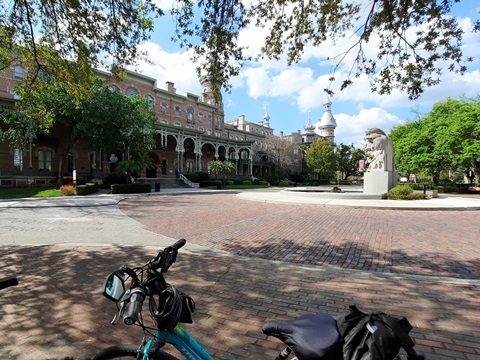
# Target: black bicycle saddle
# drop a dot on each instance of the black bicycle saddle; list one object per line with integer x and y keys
{"x": 310, "y": 336}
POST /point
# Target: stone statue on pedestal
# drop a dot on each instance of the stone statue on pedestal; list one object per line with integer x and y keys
{"x": 380, "y": 174}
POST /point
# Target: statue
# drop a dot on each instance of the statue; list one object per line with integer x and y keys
{"x": 380, "y": 175}
{"x": 378, "y": 150}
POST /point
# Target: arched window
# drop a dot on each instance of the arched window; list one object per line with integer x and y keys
{"x": 177, "y": 110}
{"x": 45, "y": 160}
{"x": 151, "y": 101}
{"x": 18, "y": 158}
{"x": 114, "y": 88}
{"x": 190, "y": 113}
{"x": 164, "y": 107}
{"x": 132, "y": 92}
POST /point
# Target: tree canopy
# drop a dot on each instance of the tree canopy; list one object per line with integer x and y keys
{"x": 111, "y": 121}
{"x": 285, "y": 154}
{"x": 321, "y": 159}
{"x": 447, "y": 138}
{"x": 415, "y": 38}
{"x": 348, "y": 160}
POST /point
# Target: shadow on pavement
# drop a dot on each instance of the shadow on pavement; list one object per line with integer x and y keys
{"x": 58, "y": 310}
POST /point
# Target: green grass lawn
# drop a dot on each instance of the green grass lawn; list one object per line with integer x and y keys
{"x": 15, "y": 193}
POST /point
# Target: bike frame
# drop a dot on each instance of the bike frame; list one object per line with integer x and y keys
{"x": 182, "y": 341}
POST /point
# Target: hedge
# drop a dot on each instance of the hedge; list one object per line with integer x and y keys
{"x": 87, "y": 189}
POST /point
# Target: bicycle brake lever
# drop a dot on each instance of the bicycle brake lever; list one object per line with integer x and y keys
{"x": 119, "y": 314}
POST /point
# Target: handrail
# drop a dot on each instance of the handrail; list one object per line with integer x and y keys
{"x": 188, "y": 182}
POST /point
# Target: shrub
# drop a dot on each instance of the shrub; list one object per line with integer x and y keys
{"x": 449, "y": 188}
{"x": 262, "y": 182}
{"x": 87, "y": 189}
{"x": 68, "y": 190}
{"x": 130, "y": 188}
{"x": 229, "y": 182}
{"x": 193, "y": 177}
{"x": 202, "y": 176}
{"x": 210, "y": 183}
{"x": 404, "y": 192}
{"x": 82, "y": 190}
{"x": 284, "y": 184}
{"x": 247, "y": 182}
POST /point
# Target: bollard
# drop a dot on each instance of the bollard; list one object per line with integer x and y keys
{"x": 157, "y": 187}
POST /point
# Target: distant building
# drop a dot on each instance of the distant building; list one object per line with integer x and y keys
{"x": 324, "y": 128}
{"x": 191, "y": 131}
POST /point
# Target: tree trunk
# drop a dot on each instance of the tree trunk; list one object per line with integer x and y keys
{"x": 59, "y": 171}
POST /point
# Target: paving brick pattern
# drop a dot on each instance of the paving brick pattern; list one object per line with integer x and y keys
{"x": 440, "y": 243}
{"x": 57, "y": 309}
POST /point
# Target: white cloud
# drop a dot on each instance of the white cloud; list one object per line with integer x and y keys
{"x": 175, "y": 67}
{"x": 270, "y": 79}
{"x": 351, "y": 128}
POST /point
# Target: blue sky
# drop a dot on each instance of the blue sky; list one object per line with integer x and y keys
{"x": 294, "y": 94}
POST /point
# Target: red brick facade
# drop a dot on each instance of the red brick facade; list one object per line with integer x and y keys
{"x": 191, "y": 131}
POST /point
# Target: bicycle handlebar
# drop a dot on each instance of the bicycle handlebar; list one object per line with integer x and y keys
{"x": 136, "y": 301}
{"x": 180, "y": 243}
{"x": 9, "y": 281}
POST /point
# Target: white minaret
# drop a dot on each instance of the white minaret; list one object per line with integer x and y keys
{"x": 309, "y": 128}
{"x": 327, "y": 124}
{"x": 266, "y": 117}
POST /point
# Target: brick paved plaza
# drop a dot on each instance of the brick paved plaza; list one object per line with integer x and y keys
{"x": 419, "y": 264}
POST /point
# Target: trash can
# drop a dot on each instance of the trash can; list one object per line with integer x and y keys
{"x": 157, "y": 187}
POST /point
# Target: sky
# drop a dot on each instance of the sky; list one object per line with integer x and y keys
{"x": 294, "y": 94}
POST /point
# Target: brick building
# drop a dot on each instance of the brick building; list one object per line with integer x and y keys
{"x": 191, "y": 131}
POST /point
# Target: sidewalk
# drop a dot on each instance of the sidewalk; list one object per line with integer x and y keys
{"x": 307, "y": 266}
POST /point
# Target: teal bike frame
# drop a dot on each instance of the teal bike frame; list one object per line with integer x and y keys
{"x": 182, "y": 341}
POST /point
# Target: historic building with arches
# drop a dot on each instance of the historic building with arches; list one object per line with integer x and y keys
{"x": 191, "y": 131}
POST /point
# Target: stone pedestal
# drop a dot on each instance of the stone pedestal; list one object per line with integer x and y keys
{"x": 378, "y": 182}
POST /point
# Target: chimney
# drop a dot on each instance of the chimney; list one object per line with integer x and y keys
{"x": 171, "y": 87}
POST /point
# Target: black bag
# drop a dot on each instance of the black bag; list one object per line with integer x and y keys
{"x": 375, "y": 336}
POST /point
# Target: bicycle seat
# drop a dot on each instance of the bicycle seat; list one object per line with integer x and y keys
{"x": 310, "y": 336}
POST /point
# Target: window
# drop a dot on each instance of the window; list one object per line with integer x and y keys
{"x": 164, "y": 108}
{"x": 18, "y": 158}
{"x": 18, "y": 72}
{"x": 200, "y": 117}
{"x": 114, "y": 89}
{"x": 177, "y": 110}
{"x": 163, "y": 121}
{"x": 151, "y": 101}
{"x": 44, "y": 160}
{"x": 209, "y": 117}
{"x": 177, "y": 124}
{"x": 190, "y": 113}
{"x": 132, "y": 92}
{"x": 209, "y": 132}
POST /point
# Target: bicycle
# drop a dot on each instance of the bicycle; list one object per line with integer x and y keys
{"x": 308, "y": 337}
